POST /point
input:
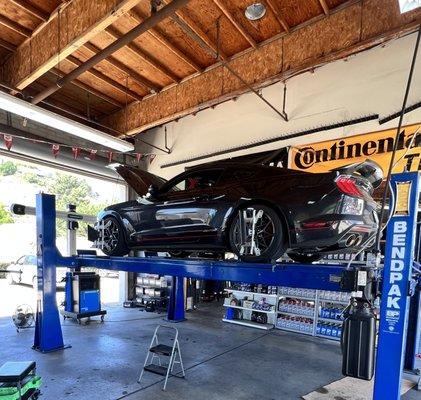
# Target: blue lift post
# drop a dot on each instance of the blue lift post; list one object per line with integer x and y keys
{"x": 391, "y": 348}
{"x": 48, "y": 335}
{"x": 397, "y": 277}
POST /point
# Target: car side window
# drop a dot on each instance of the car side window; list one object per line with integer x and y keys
{"x": 196, "y": 181}
{"x": 31, "y": 260}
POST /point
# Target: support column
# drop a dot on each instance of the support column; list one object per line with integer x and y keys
{"x": 397, "y": 275}
{"x": 48, "y": 334}
{"x": 176, "y": 303}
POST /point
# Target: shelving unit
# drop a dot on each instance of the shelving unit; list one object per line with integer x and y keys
{"x": 304, "y": 311}
{"x": 152, "y": 291}
{"x": 246, "y": 311}
{"x": 251, "y": 324}
{"x": 321, "y": 302}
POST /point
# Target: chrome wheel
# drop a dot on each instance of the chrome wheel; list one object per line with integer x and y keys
{"x": 253, "y": 232}
{"x": 109, "y": 235}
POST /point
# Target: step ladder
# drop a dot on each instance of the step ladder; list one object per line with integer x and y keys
{"x": 158, "y": 350}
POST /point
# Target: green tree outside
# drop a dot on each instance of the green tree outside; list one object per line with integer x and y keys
{"x": 5, "y": 216}
{"x": 72, "y": 190}
{"x": 8, "y": 168}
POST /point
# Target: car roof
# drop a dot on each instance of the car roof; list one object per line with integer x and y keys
{"x": 240, "y": 165}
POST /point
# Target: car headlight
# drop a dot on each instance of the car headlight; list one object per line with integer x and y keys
{"x": 352, "y": 205}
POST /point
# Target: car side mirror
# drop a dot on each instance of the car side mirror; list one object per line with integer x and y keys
{"x": 13, "y": 262}
{"x": 152, "y": 191}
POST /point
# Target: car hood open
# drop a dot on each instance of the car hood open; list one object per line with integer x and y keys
{"x": 138, "y": 179}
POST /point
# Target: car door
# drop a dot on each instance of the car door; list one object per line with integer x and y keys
{"x": 29, "y": 269}
{"x": 186, "y": 211}
{"x": 17, "y": 269}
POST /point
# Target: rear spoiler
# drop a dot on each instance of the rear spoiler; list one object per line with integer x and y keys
{"x": 368, "y": 169}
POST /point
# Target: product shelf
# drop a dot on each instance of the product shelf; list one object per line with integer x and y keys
{"x": 250, "y": 309}
{"x": 248, "y": 323}
{"x": 297, "y": 315}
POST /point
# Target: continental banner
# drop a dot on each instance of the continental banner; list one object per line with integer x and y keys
{"x": 375, "y": 146}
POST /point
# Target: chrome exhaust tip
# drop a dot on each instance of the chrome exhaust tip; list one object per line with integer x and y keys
{"x": 350, "y": 240}
{"x": 358, "y": 241}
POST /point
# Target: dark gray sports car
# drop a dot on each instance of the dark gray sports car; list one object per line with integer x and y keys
{"x": 259, "y": 212}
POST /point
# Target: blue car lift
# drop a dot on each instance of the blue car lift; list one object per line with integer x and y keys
{"x": 398, "y": 284}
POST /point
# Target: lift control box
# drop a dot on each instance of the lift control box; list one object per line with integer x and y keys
{"x": 86, "y": 292}
{"x": 82, "y": 295}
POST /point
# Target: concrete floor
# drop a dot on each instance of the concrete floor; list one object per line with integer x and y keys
{"x": 223, "y": 361}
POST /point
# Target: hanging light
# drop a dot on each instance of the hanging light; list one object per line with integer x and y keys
{"x": 30, "y": 111}
{"x": 255, "y": 11}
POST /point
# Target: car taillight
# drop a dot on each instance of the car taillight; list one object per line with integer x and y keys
{"x": 347, "y": 185}
{"x": 316, "y": 224}
{"x": 352, "y": 205}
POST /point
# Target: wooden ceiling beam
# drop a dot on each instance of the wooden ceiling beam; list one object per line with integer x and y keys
{"x": 200, "y": 38}
{"x": 165, "y": 42}
{"x": 151, "y": 61}
{"x": 181, "y": 18}
{"x": 14, "y": 26}
{"x": 8, "y": 46}
{"x": 235, "y": 23}
{"x": 278, "y": 15}
{"x": 296, "y": 49}
{"x": 106, "y": 79}
{"x": 127, "y": 38}
{"x": 147, "y": 84}
{"x": 63, "y": 104}
{"x": 39, "y": 53}
{"x": 35, "y": 11}
{"x": 325, "y": 7}
{"x": 89, "y": 89}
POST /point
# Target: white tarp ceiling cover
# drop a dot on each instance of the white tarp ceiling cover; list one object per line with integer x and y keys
{"x": 409, "y": 5}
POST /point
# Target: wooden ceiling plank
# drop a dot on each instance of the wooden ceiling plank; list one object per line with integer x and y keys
{"x": 14, "y": 26}
{"x": 89, "y": 89}
{"x": 199, "y": 37}
{"x": 148, "y": 85}
{"x": 8, "y": 46}
{"x": 278, "y": 15}
{"x": 181, "y": 18}
{"x": 145, "y": 57}
{"x": 131, "y": 35}
{"x": 116, "y": 85}
{"x": 164, "y": 41}
{"x": 199, "y": 92}
{"x": 92, "y": 18}
{"x": 235, "y": 23}
{"x": 35, "y": 11}
{"x": 325, "y": 7}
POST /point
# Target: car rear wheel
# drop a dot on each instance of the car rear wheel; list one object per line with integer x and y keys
{"x": 257, "y": 234}
{"x": 111, "y": 238}
{"x": 305, "y": 258}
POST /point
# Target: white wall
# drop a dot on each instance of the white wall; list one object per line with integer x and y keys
{"x": 367, "y": 83}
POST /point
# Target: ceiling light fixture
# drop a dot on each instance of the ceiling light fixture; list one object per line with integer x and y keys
{"x": 255, "y": 11}
{"x": 27, "y": 110}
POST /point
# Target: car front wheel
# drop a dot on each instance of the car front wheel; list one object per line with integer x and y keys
{"x": 111, "y": 238}
{"x": 257, "y": 234}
